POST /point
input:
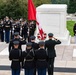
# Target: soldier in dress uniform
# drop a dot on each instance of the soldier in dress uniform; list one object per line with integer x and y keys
{"x": 28, "y": 56}
{"x": 41, "y": 59}
{"x": 7, "y": 28}
{"x": 31, "y": 30}
{"x": 74, "y": 30}
{"x": 17, "y": 27}
{"x": 25, "y": 30}
{"x": 16, "y": 38}
{"x": 16, "y": 57}
{"x": 33, "y": 27}
{"x": 50, "y": 46}
{"x": 1, "y": 31}
{"x": 12, "y": 29}
{"x": 35, "y": 46}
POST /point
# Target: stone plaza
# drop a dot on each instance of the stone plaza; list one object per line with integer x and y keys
{"x": 65, "y": 61}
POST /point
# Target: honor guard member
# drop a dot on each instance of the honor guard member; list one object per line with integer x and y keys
{"x": 1, "y": 31}
{"x": 35, "y": 46}
{"x": 31, "y": 30}
{"x": 16, "y": 57}
{"x": 28, "y": 56}
{"x": 17, "y": 27}
{"x": 50, "y": 46}
{"x": 74, "y": 30}
{"x": 16, "y": 38}
{"x": 12, "y": 29}
{"x": 41, "y": 59}
{"x": 7, "y": 28}
{"x": 24, "y": 30}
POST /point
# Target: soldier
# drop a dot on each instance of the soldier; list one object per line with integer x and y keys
{"x": 16, "y": 38}
{"x": 74, "y": 30}
{"x": 12, "y": 29}
{"x": 33, "y": 25}
{"x": 7, "y": 28}
{"x": 28, "y": 56}
{"x": 16, "y": 57}
{"x": 35, "y": 46}
{"x": 31, "y": 30}
{"x": 24, "y": 30}
{"x": 1, "y": 31}
{"x": 41, "y": 59}
{"x": 17, "y": 27}
{"x": 49, "y": 45}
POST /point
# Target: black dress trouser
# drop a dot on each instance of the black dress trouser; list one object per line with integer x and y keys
{"x": 50, "y": 66}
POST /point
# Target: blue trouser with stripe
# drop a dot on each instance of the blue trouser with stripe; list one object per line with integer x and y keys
{"x": 7, "y": 36}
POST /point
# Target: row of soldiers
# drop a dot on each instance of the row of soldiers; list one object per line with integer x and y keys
{"x": 9, "y": 26}
{"x": 36, "y": 56}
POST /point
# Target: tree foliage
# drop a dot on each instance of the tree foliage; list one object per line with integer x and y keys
{"x": 17, "y": 8}
{"x": 72, "y": 6}
{"x": 60, "y": 1}
{"x": 70, "y": 3}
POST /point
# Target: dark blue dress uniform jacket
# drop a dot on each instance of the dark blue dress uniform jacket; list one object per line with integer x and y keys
{"x": 35, "y": 46}
{"x": 11, "y": 46}
{"x": 41, "y": 58}
{"x": 50, "y": 44}
{"x": 16, "y": 57}
{"x": 28, "y": 57}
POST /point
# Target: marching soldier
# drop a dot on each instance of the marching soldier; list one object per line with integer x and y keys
{"x": 41, "y": 59}
{"x": 28, "y": 56}
{"x": 1, "y": 31}
{"x": 16, "y": 57}
{"x": 7, "y": 28}
{"x": 50, "y": 46}
{"x": 16, "y": 38}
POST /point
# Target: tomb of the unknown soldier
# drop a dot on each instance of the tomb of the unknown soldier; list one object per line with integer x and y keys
{"x": 52, "y": 18}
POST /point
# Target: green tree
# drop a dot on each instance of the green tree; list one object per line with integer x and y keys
{"x": 40, "y": 2}
{"x": 60, "y": 1}
{"x": 72, "y": 6}
{"x": 17, "y": 8}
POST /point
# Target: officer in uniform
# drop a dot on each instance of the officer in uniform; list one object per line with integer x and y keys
{"x": 7, "y": 28}
{"x": 41, "y": 59}
{"x": 50, "y": 46}
{"x": 16, "y": 38}
{"x": 35, "y": 46}
{"x": 1, "y": 31}
{"x": 16, "y": 57}
{"x": 28, "y": 56}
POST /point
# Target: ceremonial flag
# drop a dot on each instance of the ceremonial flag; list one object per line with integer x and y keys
{"x": 31, "y": 11}
{"x": 32, "y": 16}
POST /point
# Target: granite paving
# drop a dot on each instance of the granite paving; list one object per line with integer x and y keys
{"x": 65, "y": 63}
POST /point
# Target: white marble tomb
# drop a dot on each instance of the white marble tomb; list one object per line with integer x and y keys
{"x": 52, "y": 18}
